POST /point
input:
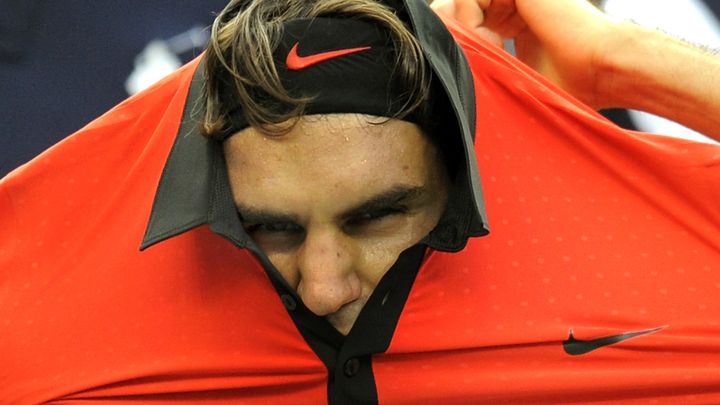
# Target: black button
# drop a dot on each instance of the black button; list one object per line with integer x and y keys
{"x": 289, "y": 302}
{"x": 352, "y": 367}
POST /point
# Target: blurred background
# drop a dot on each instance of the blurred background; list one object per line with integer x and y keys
{"x": 63, "y": 63}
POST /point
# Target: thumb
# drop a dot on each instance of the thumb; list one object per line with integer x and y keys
{"x": 444, "y": 8}
{"x": 467, "y": 12}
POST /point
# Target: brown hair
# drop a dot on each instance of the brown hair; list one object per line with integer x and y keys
{"x": 241, "y": 74}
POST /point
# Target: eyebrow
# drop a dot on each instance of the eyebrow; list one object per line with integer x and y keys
{"x": 400, "y": 194}
{"x": 260, "y": 216}
{"x": 394, "y": 196}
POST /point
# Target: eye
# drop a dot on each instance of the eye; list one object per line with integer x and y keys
{"x": 375, "y": 216}
{"x": 274, "y": 227}
{"x": 276, "y": 237}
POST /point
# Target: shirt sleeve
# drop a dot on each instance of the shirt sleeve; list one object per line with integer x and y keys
{"x": 8, "y": 232}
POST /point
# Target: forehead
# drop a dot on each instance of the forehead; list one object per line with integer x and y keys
{"x": 347, "y": 142}
{"x": 347, "y": 154}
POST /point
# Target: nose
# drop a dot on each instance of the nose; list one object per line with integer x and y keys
{"x": 328, "y": 279}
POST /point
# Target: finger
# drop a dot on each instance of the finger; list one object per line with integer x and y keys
{"x": 497, "y": 12}
{"x": 444, "y": 8}
{"x": 469, "y": 13}
{"x": 511, "y": 27}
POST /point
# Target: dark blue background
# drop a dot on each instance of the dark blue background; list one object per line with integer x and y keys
{"x": 63, "y": 63}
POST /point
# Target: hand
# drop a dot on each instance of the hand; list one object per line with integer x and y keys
{"x": 602, "y": 62}
{"x": 565, "y": 40}
{"x": 469, "y": 13}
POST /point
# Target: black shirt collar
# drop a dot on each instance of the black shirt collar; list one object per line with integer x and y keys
{"x": 194, "y": 188}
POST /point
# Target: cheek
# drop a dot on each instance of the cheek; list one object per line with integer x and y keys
{"x": 377, "y": 255}
{"x": 376, "y": 261}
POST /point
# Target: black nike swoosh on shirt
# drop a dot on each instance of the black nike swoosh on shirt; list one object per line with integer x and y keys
{"x": 576, "y": 347}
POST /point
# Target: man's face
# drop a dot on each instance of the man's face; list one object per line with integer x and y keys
{"x": 335, "y": 201}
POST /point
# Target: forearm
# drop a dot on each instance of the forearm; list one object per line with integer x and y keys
{"x": 650, "y": 71}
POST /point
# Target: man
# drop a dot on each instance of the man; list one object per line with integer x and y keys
{"x": 317, "y": 245}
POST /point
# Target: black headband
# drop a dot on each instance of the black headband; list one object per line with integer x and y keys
{"x": 342, "y": 65}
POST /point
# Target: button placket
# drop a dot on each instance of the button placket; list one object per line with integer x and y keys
{"x": 289, "y": 302}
